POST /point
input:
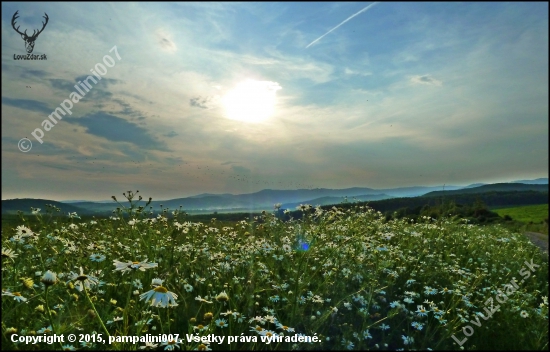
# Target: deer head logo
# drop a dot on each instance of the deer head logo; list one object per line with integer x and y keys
{"x": 29, "y": 40}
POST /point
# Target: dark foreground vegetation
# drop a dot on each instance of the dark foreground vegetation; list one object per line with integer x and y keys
{"x": 475, "y": 208}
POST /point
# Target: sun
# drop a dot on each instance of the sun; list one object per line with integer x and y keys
{"x": 251, "y": 101}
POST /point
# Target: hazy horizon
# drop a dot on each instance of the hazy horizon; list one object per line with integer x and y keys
{"x": 240, "y": 97}
{"x": 120, "y": 197}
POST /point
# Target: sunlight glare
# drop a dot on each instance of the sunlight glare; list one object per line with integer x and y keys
{"x": 251, "y": 101}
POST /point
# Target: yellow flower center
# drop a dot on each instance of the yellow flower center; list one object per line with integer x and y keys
{"x": 17, "y": 294}
{"x": 160, "y": 289}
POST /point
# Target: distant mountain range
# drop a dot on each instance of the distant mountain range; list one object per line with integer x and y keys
{"x": 84, "y": 201}
{"x": 11, "y": 206}
{"x": 336, "y": 200}
{"x": 495, "y": 187}
{"x": 533, "y": 182}
{"x": 537, "y": 181}
{"x": 265, "y": 199}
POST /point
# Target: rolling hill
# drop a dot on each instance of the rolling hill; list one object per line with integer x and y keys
{"x": 336, "y": 200}
{"x": 265, "y": 199}
{"x": 11, "y": 206}
{"x": 495, "y": 187}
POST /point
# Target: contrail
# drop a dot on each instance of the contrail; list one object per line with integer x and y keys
{"x": 347, "y": 19}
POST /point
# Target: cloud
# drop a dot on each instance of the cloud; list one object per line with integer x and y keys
{"x": 116, "y": 129}
{"x": 96, "y": 93}
{"x": 241, "y": 169}
{"x": 175, "y": 160}
{"x": 34, "y": 74}
{"x": 27, "y": 104}
{"x": 62, "y": 84}
{"x": 203, "y": 102}
{"x": 68, "y": 85}
{"x": 170, "y": 134}
{"x": 165, "y": 41}
{"x": 425, "y": 79}
{"x": 105, "y": 81}
{"x": 128, "y": 110}
{"x": 349, "y": 71}
{"x": 273, "y": 64}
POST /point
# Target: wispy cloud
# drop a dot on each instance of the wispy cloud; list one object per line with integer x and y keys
{"x": 349, "y": 71}
{"x": 165, "y": 41}
{"x": 27, "y": 104}
{"x": 347, "y": 19}
{"x": 203, "y": 102}
{"x": 425, "y": 79}
{"x": 116, "y": 129}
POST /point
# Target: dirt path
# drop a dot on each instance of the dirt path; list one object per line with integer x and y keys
{"x": 539, "y": 239}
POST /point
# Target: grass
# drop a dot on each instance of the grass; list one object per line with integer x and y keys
{"x": 348, "y": 278}
{"x": 531, "y": 218}
{"x": 526, "y": 214}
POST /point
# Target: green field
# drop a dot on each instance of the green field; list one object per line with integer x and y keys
{"x": 534, "y": 213}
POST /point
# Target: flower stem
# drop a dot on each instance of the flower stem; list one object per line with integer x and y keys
{"x": 50, "y": 316}
{"x": 96, "y": 313}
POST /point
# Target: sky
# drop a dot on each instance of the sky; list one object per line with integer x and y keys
{"x": 188, "y": 98}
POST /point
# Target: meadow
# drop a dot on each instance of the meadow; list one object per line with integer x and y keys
{"x": 529, "y": 213}
{"x": 346, "y": 279}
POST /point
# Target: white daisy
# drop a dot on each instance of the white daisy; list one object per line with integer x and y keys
{"x": 170, "y": 345}
{"x": 8, "y": 253}
{"x": 83, "y": 281}
{"x": 160, "y": 297}
{"x": 284, "y": 327}
{"x": 129, "y": 266}
{"x": 95, "y": 257}
{"x": 23, "y": 231}
{"x": 222, "y": 323}
{"x": 524, "y": 314}
{"x": 202, "y": 300}
{"x": 269, "y": 333}
{"x": 47, "y": 330}
{"x": 149, "y": 346}
{"x": 16, "y": 296}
